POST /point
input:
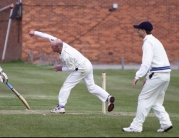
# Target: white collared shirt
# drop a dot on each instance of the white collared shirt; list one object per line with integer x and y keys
{"x": 71, "y": 58}
{"x": 154, "y": 55}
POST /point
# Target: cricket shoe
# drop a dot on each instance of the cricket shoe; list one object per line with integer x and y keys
{"x": 130, "y": 129}
{"x": 165, "y": 129}
{"x": 58, "y": 109}
{"x": 110, "y": 101}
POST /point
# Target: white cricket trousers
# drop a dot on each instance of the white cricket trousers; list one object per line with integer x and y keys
{"x": 152, "y": 96}
{"x": 75, "y": 77}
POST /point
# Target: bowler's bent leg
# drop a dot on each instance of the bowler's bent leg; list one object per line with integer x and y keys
{"x": 73, "y": 79}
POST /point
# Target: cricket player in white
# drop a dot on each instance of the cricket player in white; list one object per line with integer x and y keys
{"x": 81, "y": 69}
{"x": 3, "y": 76}
{"x": 156, "y": 63}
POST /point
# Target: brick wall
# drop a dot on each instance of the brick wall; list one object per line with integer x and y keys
{"x": 102, "y": 36}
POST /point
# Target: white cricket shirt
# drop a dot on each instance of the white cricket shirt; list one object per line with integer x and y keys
{"x": 154, "y": 57}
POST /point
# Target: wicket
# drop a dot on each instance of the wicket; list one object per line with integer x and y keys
{"x": 104, "y": 87}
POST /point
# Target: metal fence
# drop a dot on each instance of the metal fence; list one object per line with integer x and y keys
{"x": 53, "y": 60}
{"x": 44, "y": 59}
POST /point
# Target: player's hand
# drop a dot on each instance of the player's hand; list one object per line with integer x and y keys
{"x": 31, "y": 33}
{"x": 134, "y": 82}
{"x": 3, "y": 77}
{"x": 57, "y": 68}
{"x": 144, "y": 82}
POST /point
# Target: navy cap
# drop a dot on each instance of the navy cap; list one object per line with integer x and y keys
{"x": 147, "y": 26}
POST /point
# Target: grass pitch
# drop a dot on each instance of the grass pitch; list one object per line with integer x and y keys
{"x": 40, "y": 85}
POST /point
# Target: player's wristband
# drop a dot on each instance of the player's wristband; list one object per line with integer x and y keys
{"x": 65, "y": 69}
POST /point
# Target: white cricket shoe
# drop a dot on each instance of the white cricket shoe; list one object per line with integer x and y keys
{"x": 165, "y": 129}
{"x": 110, "y": 101}
{"x": 58, "y": 109}
{"x": 130, "y": 129}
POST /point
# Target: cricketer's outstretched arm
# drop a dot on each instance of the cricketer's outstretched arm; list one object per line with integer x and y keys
{"x": 44, "y": 35}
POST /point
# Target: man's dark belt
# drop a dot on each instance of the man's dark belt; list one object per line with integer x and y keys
{"x": 160, "y": 68}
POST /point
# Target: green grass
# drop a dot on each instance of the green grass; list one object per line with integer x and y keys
{"x": 40, "y": 86}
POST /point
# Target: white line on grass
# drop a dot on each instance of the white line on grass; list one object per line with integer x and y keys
{"x": 30, "y": 96}
{"x": 47, "y": 112}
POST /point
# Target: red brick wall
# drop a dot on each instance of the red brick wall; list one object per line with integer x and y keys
{"x": 102, "y": 36}
{"x": 14, "y": 46}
